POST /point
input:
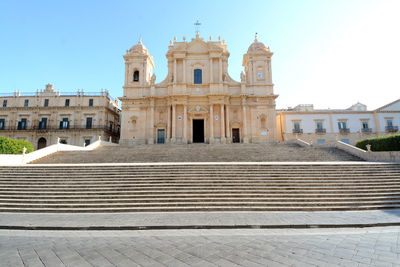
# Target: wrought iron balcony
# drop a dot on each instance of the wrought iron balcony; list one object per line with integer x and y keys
{"x": 297, "y": 131}
{"x": 52, "y": 128}
{"x": 344, "y": 130}
{"x": 366, "y": 130}
{"x": 391, "y": 129}
{"x": 320, "y": 130}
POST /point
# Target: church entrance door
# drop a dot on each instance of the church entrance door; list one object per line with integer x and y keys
{"x": 198, "y": 131}
{"x": 235, "y": 135}
{"x": 161, "y": 136}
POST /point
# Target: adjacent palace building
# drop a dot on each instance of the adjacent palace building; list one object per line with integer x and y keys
{"x": 43, "y": 117}
{"x": 198, "y": 102}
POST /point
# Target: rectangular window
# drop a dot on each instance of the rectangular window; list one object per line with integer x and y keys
{"x": 197, "y": 76}
{"x": 320, "y": 141}
{"x": 26, "y": 103}
{"x": 64, "y": 124}
{"x": 46, "y": 102}
{"x": 389, "y": 123}
{"x": 365, "y": 125}
{"x": 87, "y": 142}
{"x": 2, "y": 124}
{"x": 4, "y": 103}
{"x": 320, "y": 125}
{"x": 67, "y": 102}
{"x": 91, "y": 102}
{"x": 297, "y": 126}
{"x": 347, "y": 141}
{"x": 22, "y": 124}
{"x": 43, "y": 124}
{"x": 89, "y": 123}
{"x": 342, "y": 125}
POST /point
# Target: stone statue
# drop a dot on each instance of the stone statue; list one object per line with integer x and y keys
{"x": 242, "y": 76}
{"x": 153, "y": 79}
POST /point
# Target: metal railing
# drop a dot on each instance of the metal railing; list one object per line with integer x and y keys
{"x": 320, "y": 130}
{"x": 366, "y": 130}
{"x": 297, "y": 131}
{"x": 391, "y": 129}
{"x": 344, "y": 130}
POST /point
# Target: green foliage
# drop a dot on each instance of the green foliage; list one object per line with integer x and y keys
{"x": 11, "y": 146}
{"x": 381, "y": 143}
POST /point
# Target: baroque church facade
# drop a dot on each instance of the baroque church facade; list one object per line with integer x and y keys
{"x": 198, "y": 101}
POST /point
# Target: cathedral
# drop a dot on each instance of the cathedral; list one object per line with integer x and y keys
{"x": 198, "y": 101}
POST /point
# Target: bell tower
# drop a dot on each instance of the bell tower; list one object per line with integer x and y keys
{"x": 257, "y": 64}
{"x": 138, "y": 66}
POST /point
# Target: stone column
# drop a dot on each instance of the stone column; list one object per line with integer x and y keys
{"x": 185, "y": 124}
{"x": 168, "y": 134}
{"x": 223, "y": 139}
{"x": 220, "y": 69}
{"x": 175, "y": 71}
{"x": 184, "y": 70}
{"x": 126, "y": 73}
{"x": 211, "y": 124}
{"x": 228, "y": 130}
{"x": 150, "y": 139}
{"x": 211, "y": 71}
{"x": 244, "y": 116}
{"x": 173, "y": 138}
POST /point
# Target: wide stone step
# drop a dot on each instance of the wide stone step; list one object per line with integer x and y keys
{"x": 213, "y": 200}
{"x": 195, "y": 208}
{"x": 199, "y": 203}
{"x": 194, "y": 184}
{"x": 378, "y": 195}
{"x": 199, "y": 188}
{"x": 200, "y": 175}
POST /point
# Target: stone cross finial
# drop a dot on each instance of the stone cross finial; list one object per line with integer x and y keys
{"x": 24, "y": 150}
{"x": 197, "y": 26}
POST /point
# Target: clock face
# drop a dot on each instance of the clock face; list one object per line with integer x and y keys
{"x": 260, "y": 75}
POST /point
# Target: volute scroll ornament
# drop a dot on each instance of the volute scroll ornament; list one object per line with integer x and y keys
{"x": 153, "y": 79}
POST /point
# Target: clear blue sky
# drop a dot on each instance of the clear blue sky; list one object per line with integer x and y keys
{"x": 327, "y": 53}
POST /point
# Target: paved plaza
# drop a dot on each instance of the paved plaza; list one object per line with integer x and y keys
{"x": 378, "y": 246}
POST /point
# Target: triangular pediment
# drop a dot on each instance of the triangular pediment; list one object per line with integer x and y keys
{"x": 197, "y": 46}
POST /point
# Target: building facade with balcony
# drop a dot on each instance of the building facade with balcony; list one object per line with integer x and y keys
{"x": 328, "y": 125}
{"x": 43, "y": 117}
{"x": 198, "y": 101}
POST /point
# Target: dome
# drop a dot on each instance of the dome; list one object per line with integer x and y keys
{"x": 257, "y": 46}
{"x": 138, "y": 48}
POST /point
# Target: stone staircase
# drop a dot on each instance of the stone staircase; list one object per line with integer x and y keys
{"x": 199, "y": 187}
{"x": 201, "y": 153}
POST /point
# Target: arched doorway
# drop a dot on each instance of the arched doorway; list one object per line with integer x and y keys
{"x": 42, "y": 143}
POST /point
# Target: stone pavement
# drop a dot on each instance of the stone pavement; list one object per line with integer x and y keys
{"x": 312, "y": 247}
{"x": 193, "y": 220}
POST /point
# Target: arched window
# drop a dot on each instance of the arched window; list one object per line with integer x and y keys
{"x": 136, "y": 76}
{"x": 197, "y": 76}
